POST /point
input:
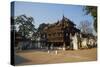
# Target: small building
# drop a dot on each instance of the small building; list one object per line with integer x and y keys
{"x": 21, "y": 42}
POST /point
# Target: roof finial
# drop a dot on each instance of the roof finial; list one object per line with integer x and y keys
{"x": 63, "y": 14}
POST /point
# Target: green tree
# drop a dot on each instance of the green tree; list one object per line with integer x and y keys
{"x": 93, "y": 11}
{"x": 26, "y": 26}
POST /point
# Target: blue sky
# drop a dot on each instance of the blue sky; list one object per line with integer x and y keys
{"x": 50, "y": 13}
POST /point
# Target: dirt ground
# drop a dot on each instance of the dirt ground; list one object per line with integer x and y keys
{"x": 43, "y": 57}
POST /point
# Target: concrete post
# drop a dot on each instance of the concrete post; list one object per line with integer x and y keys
{"x": 64, "y": 48}
{"x": 56, "y": 52}
{"x": 48, "y": 51}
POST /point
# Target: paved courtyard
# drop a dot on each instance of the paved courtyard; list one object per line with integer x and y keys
{"x": 43, "y": 57}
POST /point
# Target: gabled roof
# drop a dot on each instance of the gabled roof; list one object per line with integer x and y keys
{"x": 68, "y": 20}
{"x": 59, "y": 22}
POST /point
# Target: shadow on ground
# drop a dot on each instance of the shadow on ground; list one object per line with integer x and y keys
{"x": 20, "y": 60}
{"x": 32, "y": 50}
